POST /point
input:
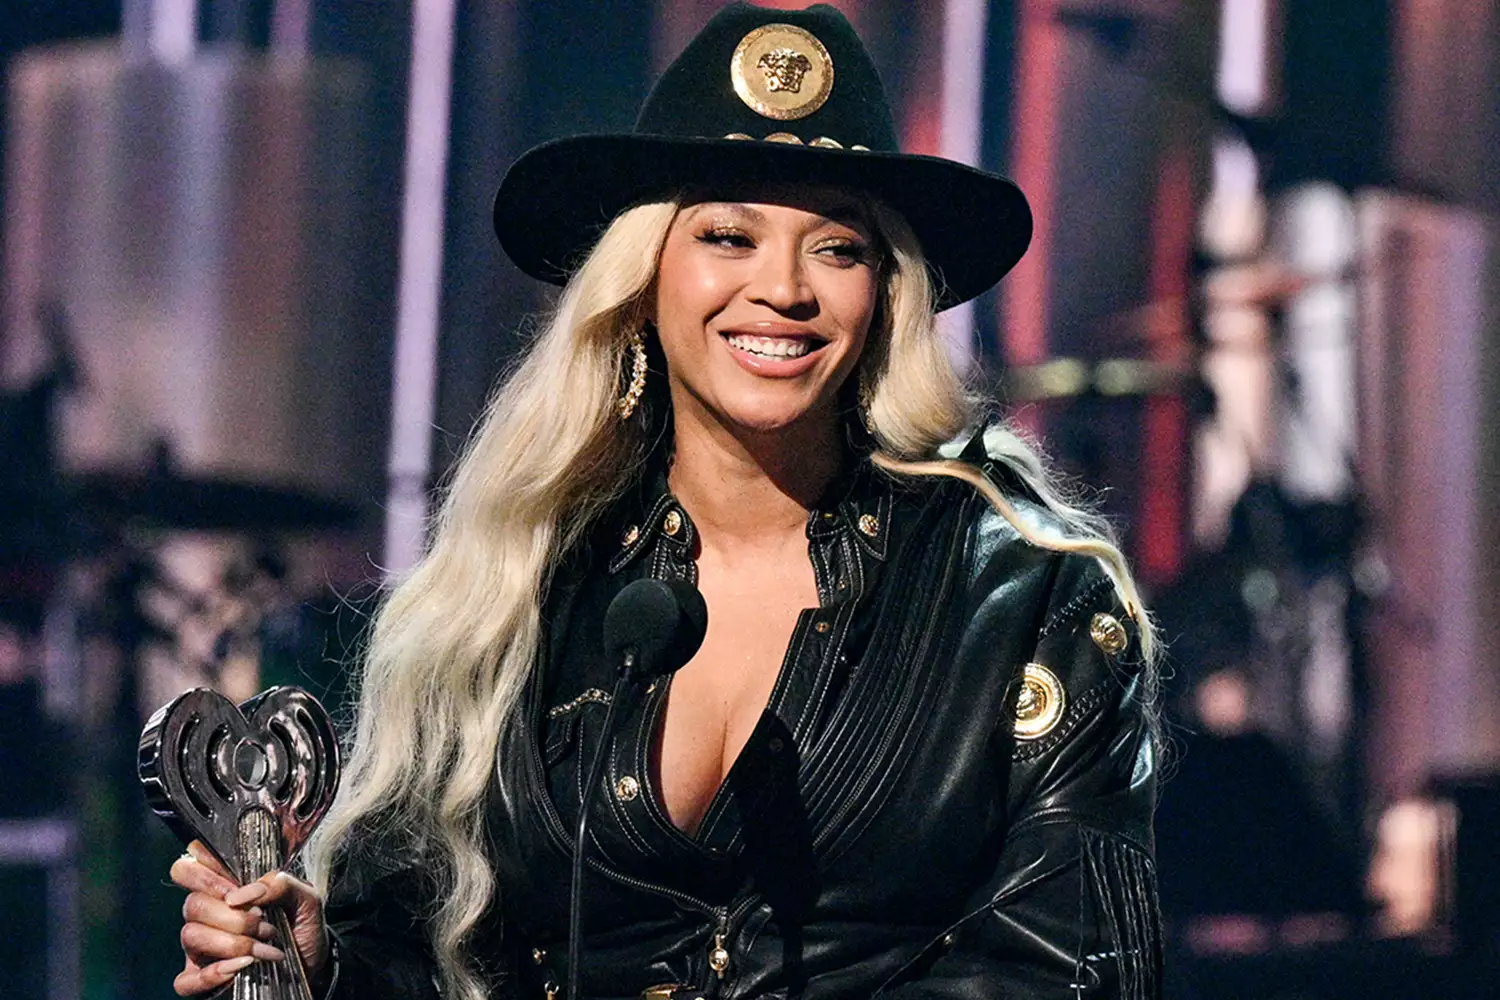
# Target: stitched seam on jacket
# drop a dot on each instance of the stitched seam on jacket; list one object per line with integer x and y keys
{"x": 854, "y": 807}
{"x": 1059, "y": 815}
{"x": 1083, "y": 706}
{"x": 1072, "y": 609}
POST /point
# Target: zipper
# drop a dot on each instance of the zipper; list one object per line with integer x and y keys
{"x": 718, "y": 953}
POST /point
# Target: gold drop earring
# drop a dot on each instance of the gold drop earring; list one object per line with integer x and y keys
{"x": 627, "y": 403}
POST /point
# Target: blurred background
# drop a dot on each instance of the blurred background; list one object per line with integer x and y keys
{"x": 250, "y": 306}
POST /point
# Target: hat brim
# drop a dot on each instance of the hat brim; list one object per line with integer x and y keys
{"x": 557, "y": 199}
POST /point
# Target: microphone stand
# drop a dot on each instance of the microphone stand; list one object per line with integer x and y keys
{"x": 575, "y": 896}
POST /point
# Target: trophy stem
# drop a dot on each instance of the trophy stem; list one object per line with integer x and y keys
{"x": 259, "y": 843}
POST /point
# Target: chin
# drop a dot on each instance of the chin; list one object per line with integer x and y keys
{"x": 765, "y": 417}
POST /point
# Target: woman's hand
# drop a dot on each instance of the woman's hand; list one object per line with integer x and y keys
{"x": 228, "y": 926}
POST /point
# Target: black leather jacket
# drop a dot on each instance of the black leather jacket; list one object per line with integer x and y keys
{"x": 912, "y": 818}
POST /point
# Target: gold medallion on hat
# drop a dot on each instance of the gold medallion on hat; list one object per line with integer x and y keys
{"x": 1039, "y": 702}
{"x": 782, "y": 71}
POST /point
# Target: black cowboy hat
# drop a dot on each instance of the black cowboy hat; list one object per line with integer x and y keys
{"x": 773, "y": 97}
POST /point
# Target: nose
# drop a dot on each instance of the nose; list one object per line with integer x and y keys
{"x": 781, "y": 280}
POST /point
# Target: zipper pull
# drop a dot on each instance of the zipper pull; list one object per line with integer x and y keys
{"x": 718, "y": 955}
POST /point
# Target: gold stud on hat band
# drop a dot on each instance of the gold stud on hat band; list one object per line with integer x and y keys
{"x": 822, "y": 141}
{"x": 781, "y": 71}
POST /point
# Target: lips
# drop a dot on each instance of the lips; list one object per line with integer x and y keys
{"x": 773, "y": 353}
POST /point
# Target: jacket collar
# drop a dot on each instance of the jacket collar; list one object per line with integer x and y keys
{"x": 857, "y": 507}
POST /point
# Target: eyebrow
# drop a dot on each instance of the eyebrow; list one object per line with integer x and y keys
{"x": 850, "y": 214}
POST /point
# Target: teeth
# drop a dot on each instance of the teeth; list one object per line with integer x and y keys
{"x": 771, "y": 347}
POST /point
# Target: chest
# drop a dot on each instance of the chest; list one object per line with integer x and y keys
{"x": 715, "y": 702}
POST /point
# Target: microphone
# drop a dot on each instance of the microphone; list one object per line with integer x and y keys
{"x": 651, "y": 629}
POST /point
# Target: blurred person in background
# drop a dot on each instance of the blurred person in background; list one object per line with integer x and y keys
{"x": 914, "y": 755}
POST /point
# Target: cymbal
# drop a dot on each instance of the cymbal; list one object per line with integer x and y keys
{"x": 200, "y": 503}
{"x": 1070, "y": 378}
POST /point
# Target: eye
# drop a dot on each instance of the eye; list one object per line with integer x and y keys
{"x": 726, "y": 237}
{"x": 846, "y": 252}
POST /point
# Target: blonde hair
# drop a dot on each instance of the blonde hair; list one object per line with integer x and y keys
{"x": 454, "y": 643}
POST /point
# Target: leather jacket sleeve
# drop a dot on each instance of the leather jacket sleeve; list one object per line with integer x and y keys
{"x": 380, "y": 946}
{"x": 1070, "y": 909}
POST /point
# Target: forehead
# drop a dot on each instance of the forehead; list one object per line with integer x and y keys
{"x": 761, "y": 200}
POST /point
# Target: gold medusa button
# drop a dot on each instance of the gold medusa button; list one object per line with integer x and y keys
{"x": 1039, "y": 702}
{"x": 631, "y": 534}
{"x": 672, "y": 524}
{"x": 1108, "y": 634}
{"x": 869, "y": 524}
{"x": 627, "y": 788}
{"x": 782, "y": 72}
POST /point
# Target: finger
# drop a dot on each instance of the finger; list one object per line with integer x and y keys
{"x": 204, "y": 945}
{"x": 194, "y": 980}
{"x": 201, "y": 908}
{"x": 194, "y": 876}
{"x": 208, "y": 859}
{"x": 275, "y": 889}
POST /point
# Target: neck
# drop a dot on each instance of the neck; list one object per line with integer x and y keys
{"x": 753, "y": 487}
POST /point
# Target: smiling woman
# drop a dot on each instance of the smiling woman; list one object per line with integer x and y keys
{"x": 763, "y": 311}
{"x": 914, "y": 754}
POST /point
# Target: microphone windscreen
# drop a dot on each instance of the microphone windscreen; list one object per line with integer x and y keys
{"x": 661, "y": 622}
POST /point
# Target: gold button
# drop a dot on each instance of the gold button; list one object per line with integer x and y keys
{"x": 631, "y": 534}
{"x": 822, "y": 627}
{"x": 673, "y": 523}
{"x": 1108, "y": 634}
{"x": 785, "y": 137}
{"x": 823, "y": 142}
{"x": 739, "y": 135}
{"x": 869, "y": 524}
{"x": 1039, "y": 702}
{"x": 627, "y": 788}
{"x": 539, "y": 955}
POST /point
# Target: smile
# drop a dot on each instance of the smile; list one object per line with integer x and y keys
{"x": 772, "y": 347}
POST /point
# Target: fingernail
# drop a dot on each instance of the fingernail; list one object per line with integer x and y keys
{"x": 268, "y": 952}
{"x": 245, "y": 894}
{"x": 233, "y": 965}
{"x": 255, "y": 912}
{"x": 199, "y": 854}
{"x": 265, "y": 931}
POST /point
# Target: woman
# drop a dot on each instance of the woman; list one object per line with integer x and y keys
{"x": 913, "y": 756}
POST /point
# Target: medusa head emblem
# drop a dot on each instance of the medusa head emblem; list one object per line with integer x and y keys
{"x": 784, "y": 69}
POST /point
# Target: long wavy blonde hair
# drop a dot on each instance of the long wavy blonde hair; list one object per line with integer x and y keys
{"x": 454, "y": 642}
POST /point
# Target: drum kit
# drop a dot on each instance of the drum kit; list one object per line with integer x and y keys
{"x": 249, "y": 781}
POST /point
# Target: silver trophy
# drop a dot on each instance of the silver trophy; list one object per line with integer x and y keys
{"x": 250, "y": 782}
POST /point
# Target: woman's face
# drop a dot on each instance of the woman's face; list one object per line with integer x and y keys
{"x": 763, "y": 307}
